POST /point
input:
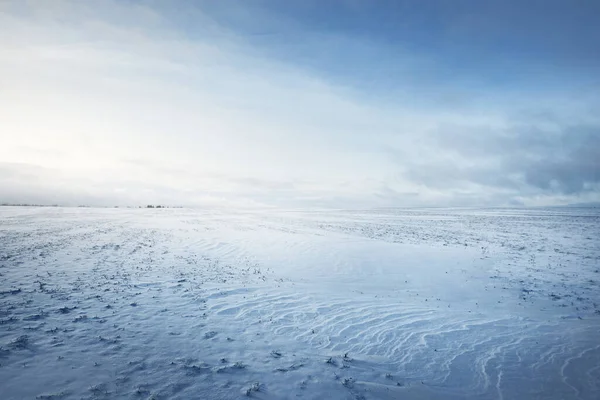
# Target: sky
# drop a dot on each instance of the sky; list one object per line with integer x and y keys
{"x": 312, "y": 103}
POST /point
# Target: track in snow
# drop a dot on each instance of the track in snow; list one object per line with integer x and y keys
{"x": 491, "y": 304}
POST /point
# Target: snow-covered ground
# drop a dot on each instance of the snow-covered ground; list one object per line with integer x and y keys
{"x": 388, "y": 304}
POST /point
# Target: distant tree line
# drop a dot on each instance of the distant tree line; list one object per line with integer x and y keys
{"x": 160, "y": 206}
{"x": 80, "y": 206}
{"x": 28, "y": 205}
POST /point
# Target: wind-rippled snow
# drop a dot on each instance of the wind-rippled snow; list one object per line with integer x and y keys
{"x": 222, "y": 304}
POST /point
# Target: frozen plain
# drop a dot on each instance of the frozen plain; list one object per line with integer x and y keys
{"x": 228, "y": 304}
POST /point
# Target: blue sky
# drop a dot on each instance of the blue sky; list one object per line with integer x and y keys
{"x": 503, "y": 43}
{"x": 300, "y": 103}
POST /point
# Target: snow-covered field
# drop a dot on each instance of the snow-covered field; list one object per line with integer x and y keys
{"x": 388, "y": 304}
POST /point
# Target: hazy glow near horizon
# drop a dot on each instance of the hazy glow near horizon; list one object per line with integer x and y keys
{"x": 299, "y": 103}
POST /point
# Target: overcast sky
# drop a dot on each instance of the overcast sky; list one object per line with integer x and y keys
{"x": 299, "y": 103}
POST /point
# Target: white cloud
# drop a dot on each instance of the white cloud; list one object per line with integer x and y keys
{"x": 122, "y": 105}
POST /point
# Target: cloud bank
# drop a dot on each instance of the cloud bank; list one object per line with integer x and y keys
{"x": 110, "y": 102}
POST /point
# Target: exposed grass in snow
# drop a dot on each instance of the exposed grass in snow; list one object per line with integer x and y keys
{"x": 184, "y": 304}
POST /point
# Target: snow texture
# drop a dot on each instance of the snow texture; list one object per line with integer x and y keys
{"x": 213, "y": 304}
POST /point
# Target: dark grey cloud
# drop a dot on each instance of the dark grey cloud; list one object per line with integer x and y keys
{"x": 523, "y": 159}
